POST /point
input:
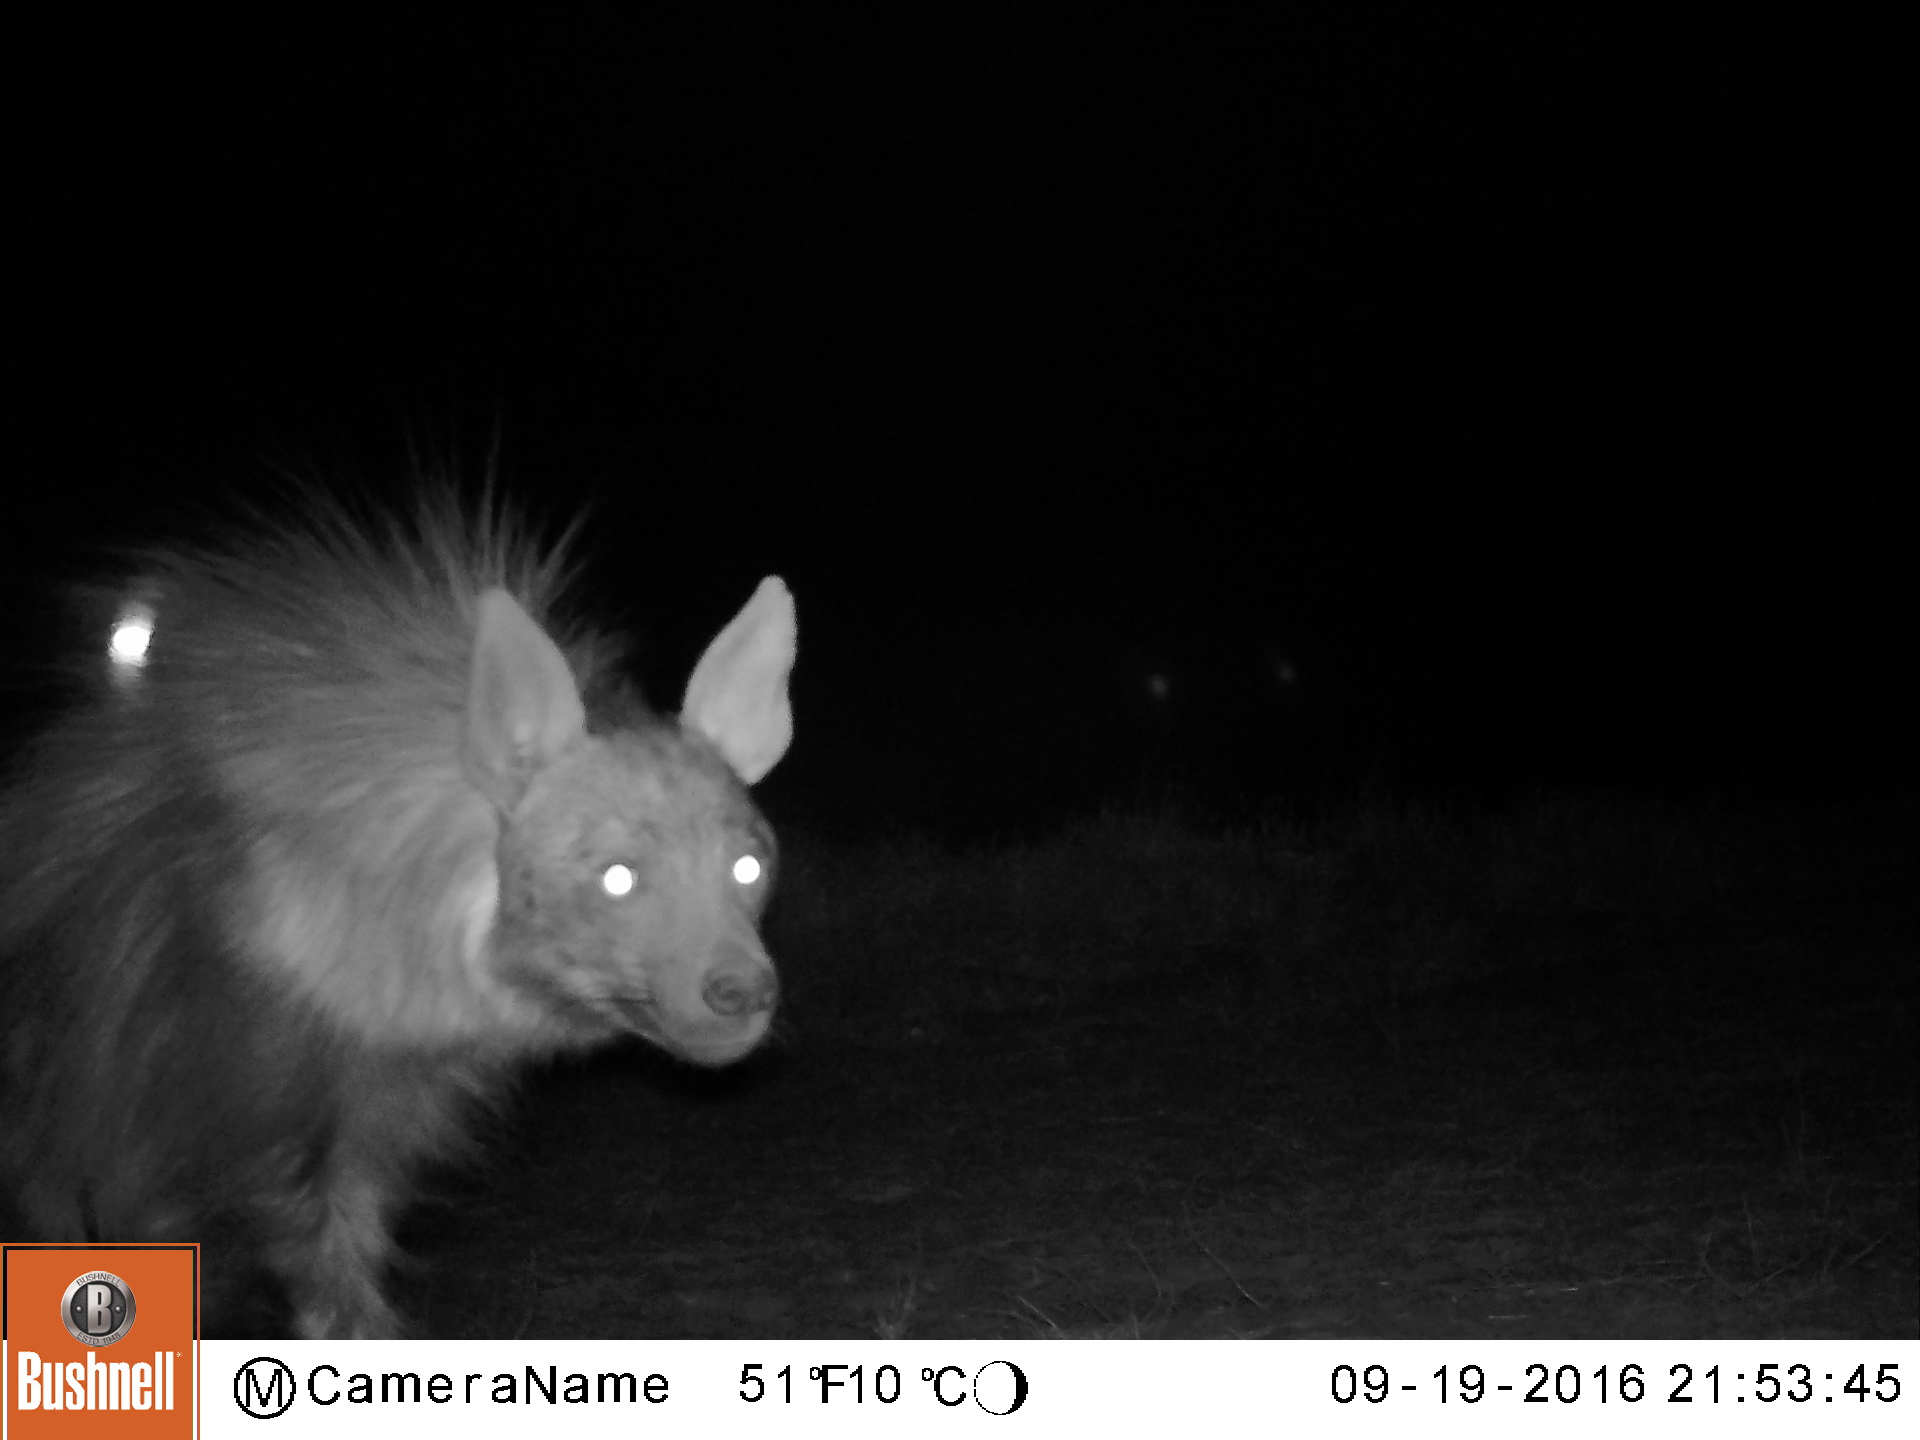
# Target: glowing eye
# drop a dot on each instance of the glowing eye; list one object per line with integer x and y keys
{"x": 746, "y": 870}
{"x": 132, "y": 632}
{"x": 616, "y": 880}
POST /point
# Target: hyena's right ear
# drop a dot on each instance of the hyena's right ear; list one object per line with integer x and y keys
{"x": 523, "y": 707}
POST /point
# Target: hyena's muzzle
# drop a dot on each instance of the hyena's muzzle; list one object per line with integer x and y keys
{"x": 712, "y": 1011}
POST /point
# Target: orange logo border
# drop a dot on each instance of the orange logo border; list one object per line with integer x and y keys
{"x": 160, "y": 1348}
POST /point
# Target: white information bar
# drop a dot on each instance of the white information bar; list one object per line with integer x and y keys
{"x": 1108, "y": 1389}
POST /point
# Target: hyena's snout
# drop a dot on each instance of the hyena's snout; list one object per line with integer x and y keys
{"x": 726, "y": 1008}
{"x": 740, "y": 985}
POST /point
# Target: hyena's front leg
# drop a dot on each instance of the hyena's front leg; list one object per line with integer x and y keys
{"x": 335, "y": 1272}
{"x": 393, "y": 1112}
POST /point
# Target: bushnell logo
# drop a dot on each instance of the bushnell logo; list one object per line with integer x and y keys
{"x": 98, "y": 1308}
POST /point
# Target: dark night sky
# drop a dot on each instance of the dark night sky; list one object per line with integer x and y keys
{"x": 1519, "y": 391}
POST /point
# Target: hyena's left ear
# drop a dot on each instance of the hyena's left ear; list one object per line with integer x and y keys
{"x": 737, "y": 697}
{"x": 523, "y": 707}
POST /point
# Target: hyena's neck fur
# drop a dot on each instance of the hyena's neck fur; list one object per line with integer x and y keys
{"x": 334, "y": 730}
{"x": 337, "y": 901}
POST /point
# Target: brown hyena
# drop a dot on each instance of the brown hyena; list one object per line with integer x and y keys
{"x": 363, "y": 828}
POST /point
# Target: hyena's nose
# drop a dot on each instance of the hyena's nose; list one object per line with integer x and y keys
{"x": 740, "y": 984}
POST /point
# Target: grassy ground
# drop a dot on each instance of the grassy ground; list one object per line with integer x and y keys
{"x": 1585, "y": 1069}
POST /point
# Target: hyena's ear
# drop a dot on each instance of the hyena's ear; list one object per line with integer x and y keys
{"x": 737, "y": 697}
{"x": 523, "y": 707}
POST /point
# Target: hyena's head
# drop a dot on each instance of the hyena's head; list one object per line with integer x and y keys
{"x": 633, "y": 867}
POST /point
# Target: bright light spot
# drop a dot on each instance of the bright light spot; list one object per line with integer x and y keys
{"x": 1158, "y": 685}
{"x": 746, "y": 869}
{"x": 132, "y": 634}
{"x": 616, "y": 880}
